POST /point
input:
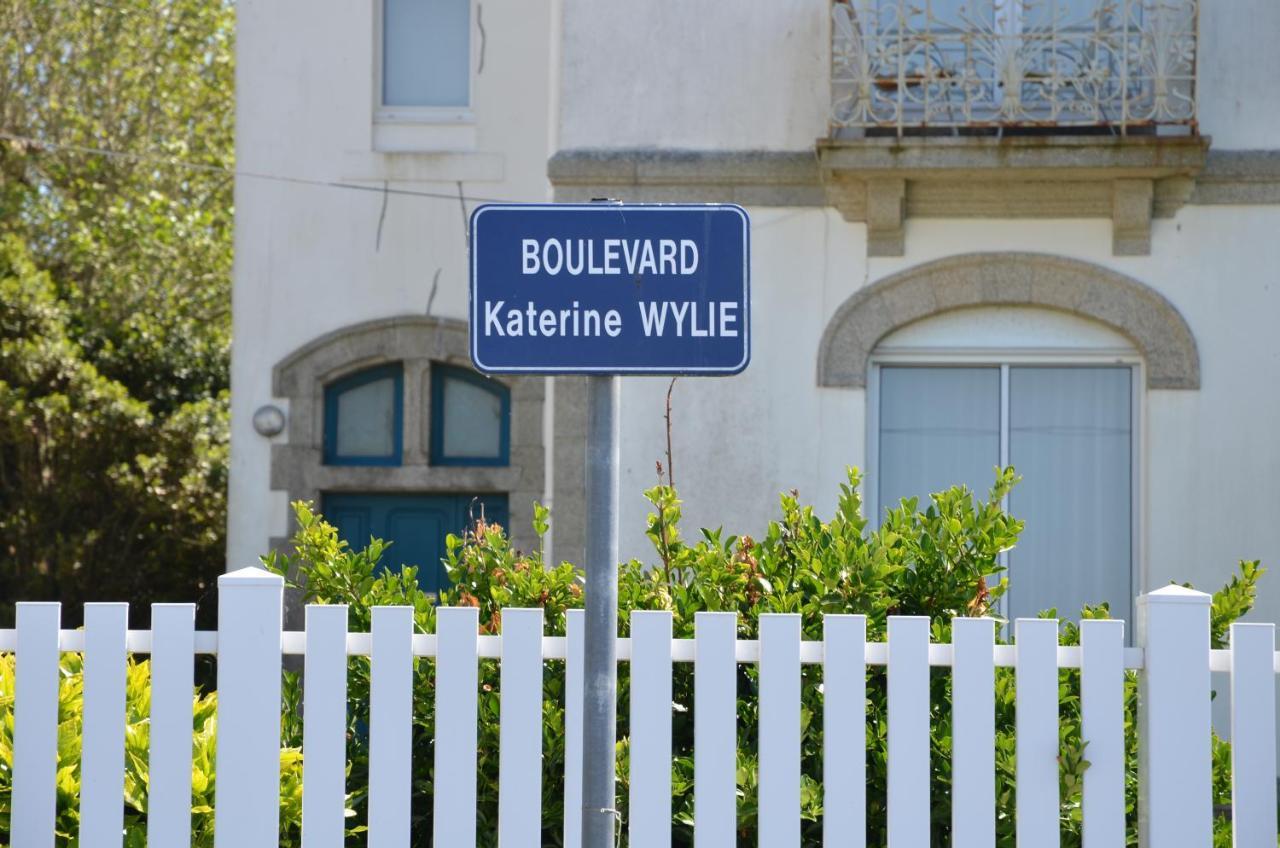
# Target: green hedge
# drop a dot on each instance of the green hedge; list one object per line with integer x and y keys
{"x": 936, "y": 561}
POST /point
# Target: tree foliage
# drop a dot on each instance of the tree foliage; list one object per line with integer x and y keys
{"x": 116, "y": 324}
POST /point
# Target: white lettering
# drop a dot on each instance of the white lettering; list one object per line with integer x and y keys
{"x": 611, "y": 255}
{"x": 688, "y": 256}
{"x": 666, "y": 253}
{"x": 678, "y": 311}
{"x": 568, "y": 258}
{"x": 693, "y": 321}
{"x": 547, "y": 322}
{"x": 546, "y": 256}
{"x": 491, "y": 317}
{"x": 652, "y": 318}
{"x": 613, "y": 323}
{"x": 728, "y": 318}
{"x": 629, "y": 256}
{"x": 647, "y": 260}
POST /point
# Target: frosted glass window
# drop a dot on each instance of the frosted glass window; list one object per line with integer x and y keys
{"x": 426, "y": 52}
{"x": 366, "y": 420}
{"x": 362, "y": 415}
{"x": 470, "y": 418}
{"x": 1071, "y": 437}
{"x": 1069, "y": 434}
{"x": 472, "y": 421}
{"x": 938, "y": 427}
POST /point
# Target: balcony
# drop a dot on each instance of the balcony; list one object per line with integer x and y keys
{"x": 1041, "y": 108}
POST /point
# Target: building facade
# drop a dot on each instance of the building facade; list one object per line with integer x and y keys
{"x": 1042, "y": 233}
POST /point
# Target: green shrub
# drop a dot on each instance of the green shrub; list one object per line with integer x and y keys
{"x": 136, "y": 744}
{"x": 935, "y": 562}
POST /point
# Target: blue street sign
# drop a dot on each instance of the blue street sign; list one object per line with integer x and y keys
{"x": 607, "y": 288}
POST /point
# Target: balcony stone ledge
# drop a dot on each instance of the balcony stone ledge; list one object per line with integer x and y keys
{"x": 883, "y": 181}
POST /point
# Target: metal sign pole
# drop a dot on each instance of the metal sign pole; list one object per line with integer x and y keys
{"x": 600, "y": 669}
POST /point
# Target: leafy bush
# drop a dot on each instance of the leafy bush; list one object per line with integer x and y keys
{"x": 137, "y": 744}
{"x": 935, "y": 562}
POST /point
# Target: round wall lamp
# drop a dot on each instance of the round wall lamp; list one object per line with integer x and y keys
{"x": 268, "y": 421}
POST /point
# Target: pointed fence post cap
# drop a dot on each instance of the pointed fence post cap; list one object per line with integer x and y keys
{"x": 1174, "y": 594}
{"x": 251, "y": 576}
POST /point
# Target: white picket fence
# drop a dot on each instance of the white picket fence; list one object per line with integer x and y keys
{"x": 1174, "y": 660}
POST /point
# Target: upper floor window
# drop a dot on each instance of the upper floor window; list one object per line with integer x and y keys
{"x": 363, "y": 417}
{"x": 470, "y": 418}
{"x": 426, "y": 54}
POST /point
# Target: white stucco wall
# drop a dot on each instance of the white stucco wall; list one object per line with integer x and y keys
{"x": 562, "y": 74}
{"x": 311, "y": 259}
{"x": 762, "y": 74}
{"x": 1210, "y": 459}
{"x": 1239, "y": 102}
{"x": 703, "y": 76}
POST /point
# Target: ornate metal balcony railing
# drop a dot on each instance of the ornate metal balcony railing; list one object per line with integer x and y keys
{"x": 909, "y": 65}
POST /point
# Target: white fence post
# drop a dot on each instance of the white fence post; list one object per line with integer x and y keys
{"x": 973, "y": 733}
{"x": 1253, "y": 734}
{"x": 1175, "y": 800}
{"x": 650, "y": 763}
{"x": 520, "y": 732}
{"x": 102, "y": 738}
{"x": 1102, "y": 725}
{"x": 35, "y": 725}
{"x": 457, "y": 679}
{"x": 172, "y": 696}
{"x": 715, "y": 730}
{"x": 247, "y": 794}
{"x": 390, "y": 726}
{"x": 324, "y": 737}
{"x": 779, "y": 764}
{"x": 1036, "y": 642}
{"x": 844, "y": 734}
{"x": 574, "y": 629}
{"x": 908, "y": 780}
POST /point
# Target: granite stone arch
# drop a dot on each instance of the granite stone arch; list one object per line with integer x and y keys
{"x": 1128, "y": 306}
{"x": 297, "y": 465}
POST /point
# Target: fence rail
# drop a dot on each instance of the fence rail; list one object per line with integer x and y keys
{"x": 1173, "y": 661}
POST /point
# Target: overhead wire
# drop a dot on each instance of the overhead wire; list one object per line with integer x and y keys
{"x": 178, "y": 162}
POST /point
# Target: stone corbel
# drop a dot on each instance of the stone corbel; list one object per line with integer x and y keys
{"x": 1131, "y": 205}
{"x": 886, "y": 212}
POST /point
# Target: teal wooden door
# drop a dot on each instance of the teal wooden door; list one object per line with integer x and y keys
{"x": 415, "y": 525}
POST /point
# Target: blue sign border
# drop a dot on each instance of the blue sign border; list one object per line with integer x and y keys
{"x": 597, "y": 208}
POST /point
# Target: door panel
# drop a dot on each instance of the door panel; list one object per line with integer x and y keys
{"x": 415, "y": 525}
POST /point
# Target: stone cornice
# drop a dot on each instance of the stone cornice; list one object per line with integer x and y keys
{"x": 1128, "y": 180}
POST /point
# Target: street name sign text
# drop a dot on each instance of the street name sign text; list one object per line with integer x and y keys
{"x": 607, "y": 288}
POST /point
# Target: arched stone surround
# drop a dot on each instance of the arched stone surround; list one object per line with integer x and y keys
{"x": 1134, "y": 309}
{"x": 297, "y": 466}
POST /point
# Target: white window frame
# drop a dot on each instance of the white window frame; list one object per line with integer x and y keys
{"x": 416, "y": 115}
{"x": 1004, "y": 360}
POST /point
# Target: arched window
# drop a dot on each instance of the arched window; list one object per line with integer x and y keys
{"x": 470, "y": 418}
{"x": 364, "y": 417}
